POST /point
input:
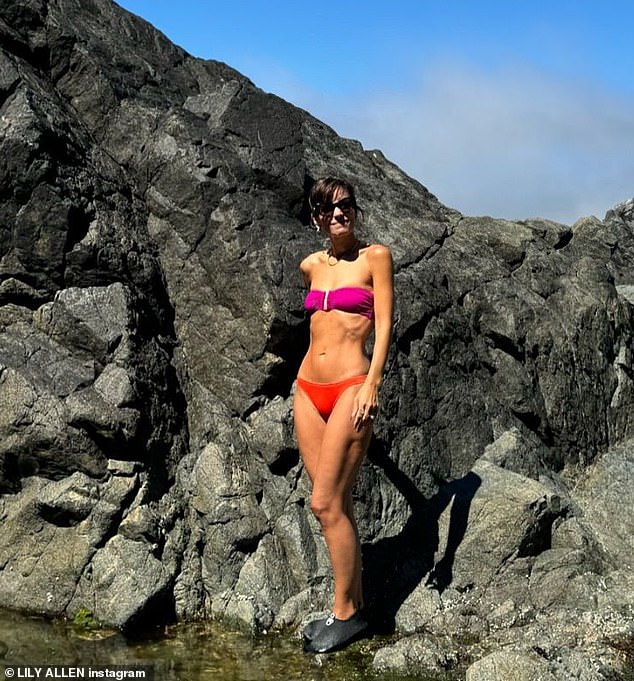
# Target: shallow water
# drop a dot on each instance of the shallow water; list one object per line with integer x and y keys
{"x": 186, "y": 652}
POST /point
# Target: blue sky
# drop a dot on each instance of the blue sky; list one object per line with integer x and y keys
{"x": 514, "y": 110}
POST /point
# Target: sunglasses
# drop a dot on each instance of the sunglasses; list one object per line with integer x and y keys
{"x": 328, "y": 207}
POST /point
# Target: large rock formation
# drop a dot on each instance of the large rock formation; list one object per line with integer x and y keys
{"x": 151, "y": 220}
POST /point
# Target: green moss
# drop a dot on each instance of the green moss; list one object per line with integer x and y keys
{"x": 84, "y": 619}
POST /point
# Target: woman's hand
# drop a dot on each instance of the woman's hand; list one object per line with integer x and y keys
{"x": 365, "y": 406}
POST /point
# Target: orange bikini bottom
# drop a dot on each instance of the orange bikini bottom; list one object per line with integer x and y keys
{"x": 325, "y": 395}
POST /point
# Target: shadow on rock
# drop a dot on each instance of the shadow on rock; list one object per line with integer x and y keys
{"x": 395, "y": 566}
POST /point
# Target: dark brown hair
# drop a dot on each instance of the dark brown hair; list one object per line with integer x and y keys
{"x": 323, "y": 191}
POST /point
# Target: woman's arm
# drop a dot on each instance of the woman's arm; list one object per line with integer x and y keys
{"x": 380, "y": 261}
{"x": 308, "y": 265}
{"x": 305, "y": 268}
{"x": 381, "y": 268}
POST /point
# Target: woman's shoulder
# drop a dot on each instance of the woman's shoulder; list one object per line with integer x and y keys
{"x": 378, "y": 253}
{"x": 310, "y": 262}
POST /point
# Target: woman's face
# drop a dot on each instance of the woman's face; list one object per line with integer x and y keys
{"x": 337, "y": 216}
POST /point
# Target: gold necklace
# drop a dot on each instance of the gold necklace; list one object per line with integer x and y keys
{"x": 337, "y": 257}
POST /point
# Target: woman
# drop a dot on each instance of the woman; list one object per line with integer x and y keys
{"x": 351, "y": 292}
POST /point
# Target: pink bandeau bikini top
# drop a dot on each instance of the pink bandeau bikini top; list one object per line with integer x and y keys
{"x": 346, "y": 299}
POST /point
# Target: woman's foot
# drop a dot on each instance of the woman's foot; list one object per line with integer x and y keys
{"x": 334, "y": 634}
{"x": 313, "y": 626}
{"x": 311, "y": 629}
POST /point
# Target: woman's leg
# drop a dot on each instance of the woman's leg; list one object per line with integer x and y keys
{"x": 309, "y": 430}
{"x": 357, "y": 589}
{"x": 333, "y": 474}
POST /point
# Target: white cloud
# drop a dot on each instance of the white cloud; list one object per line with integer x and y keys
{"x": 514, "y": 143}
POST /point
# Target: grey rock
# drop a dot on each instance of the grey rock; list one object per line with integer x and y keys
{"x": 115, "y": 591}
{"x": 152, "y": 216}
{"x": 606, "y": 499}
{"x": 519, "y": 450}
{"x": 115, "y": 386}
{"x": 545, "y": 584}
{"x": 506, "y": 664}
{"x": 51, "y": 532}
{"x": 529, "y": 665}
{"x": 126, "y": 468}
{"x": 142, "y": 523}
{"x": 46, "y": 364}
{"x": 260, "y": 574}
{"x": 271, "y": 432}
{"x": 416, "y": 654}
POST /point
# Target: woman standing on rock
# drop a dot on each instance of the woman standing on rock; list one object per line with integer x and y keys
{"x": 351, "y": 292}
